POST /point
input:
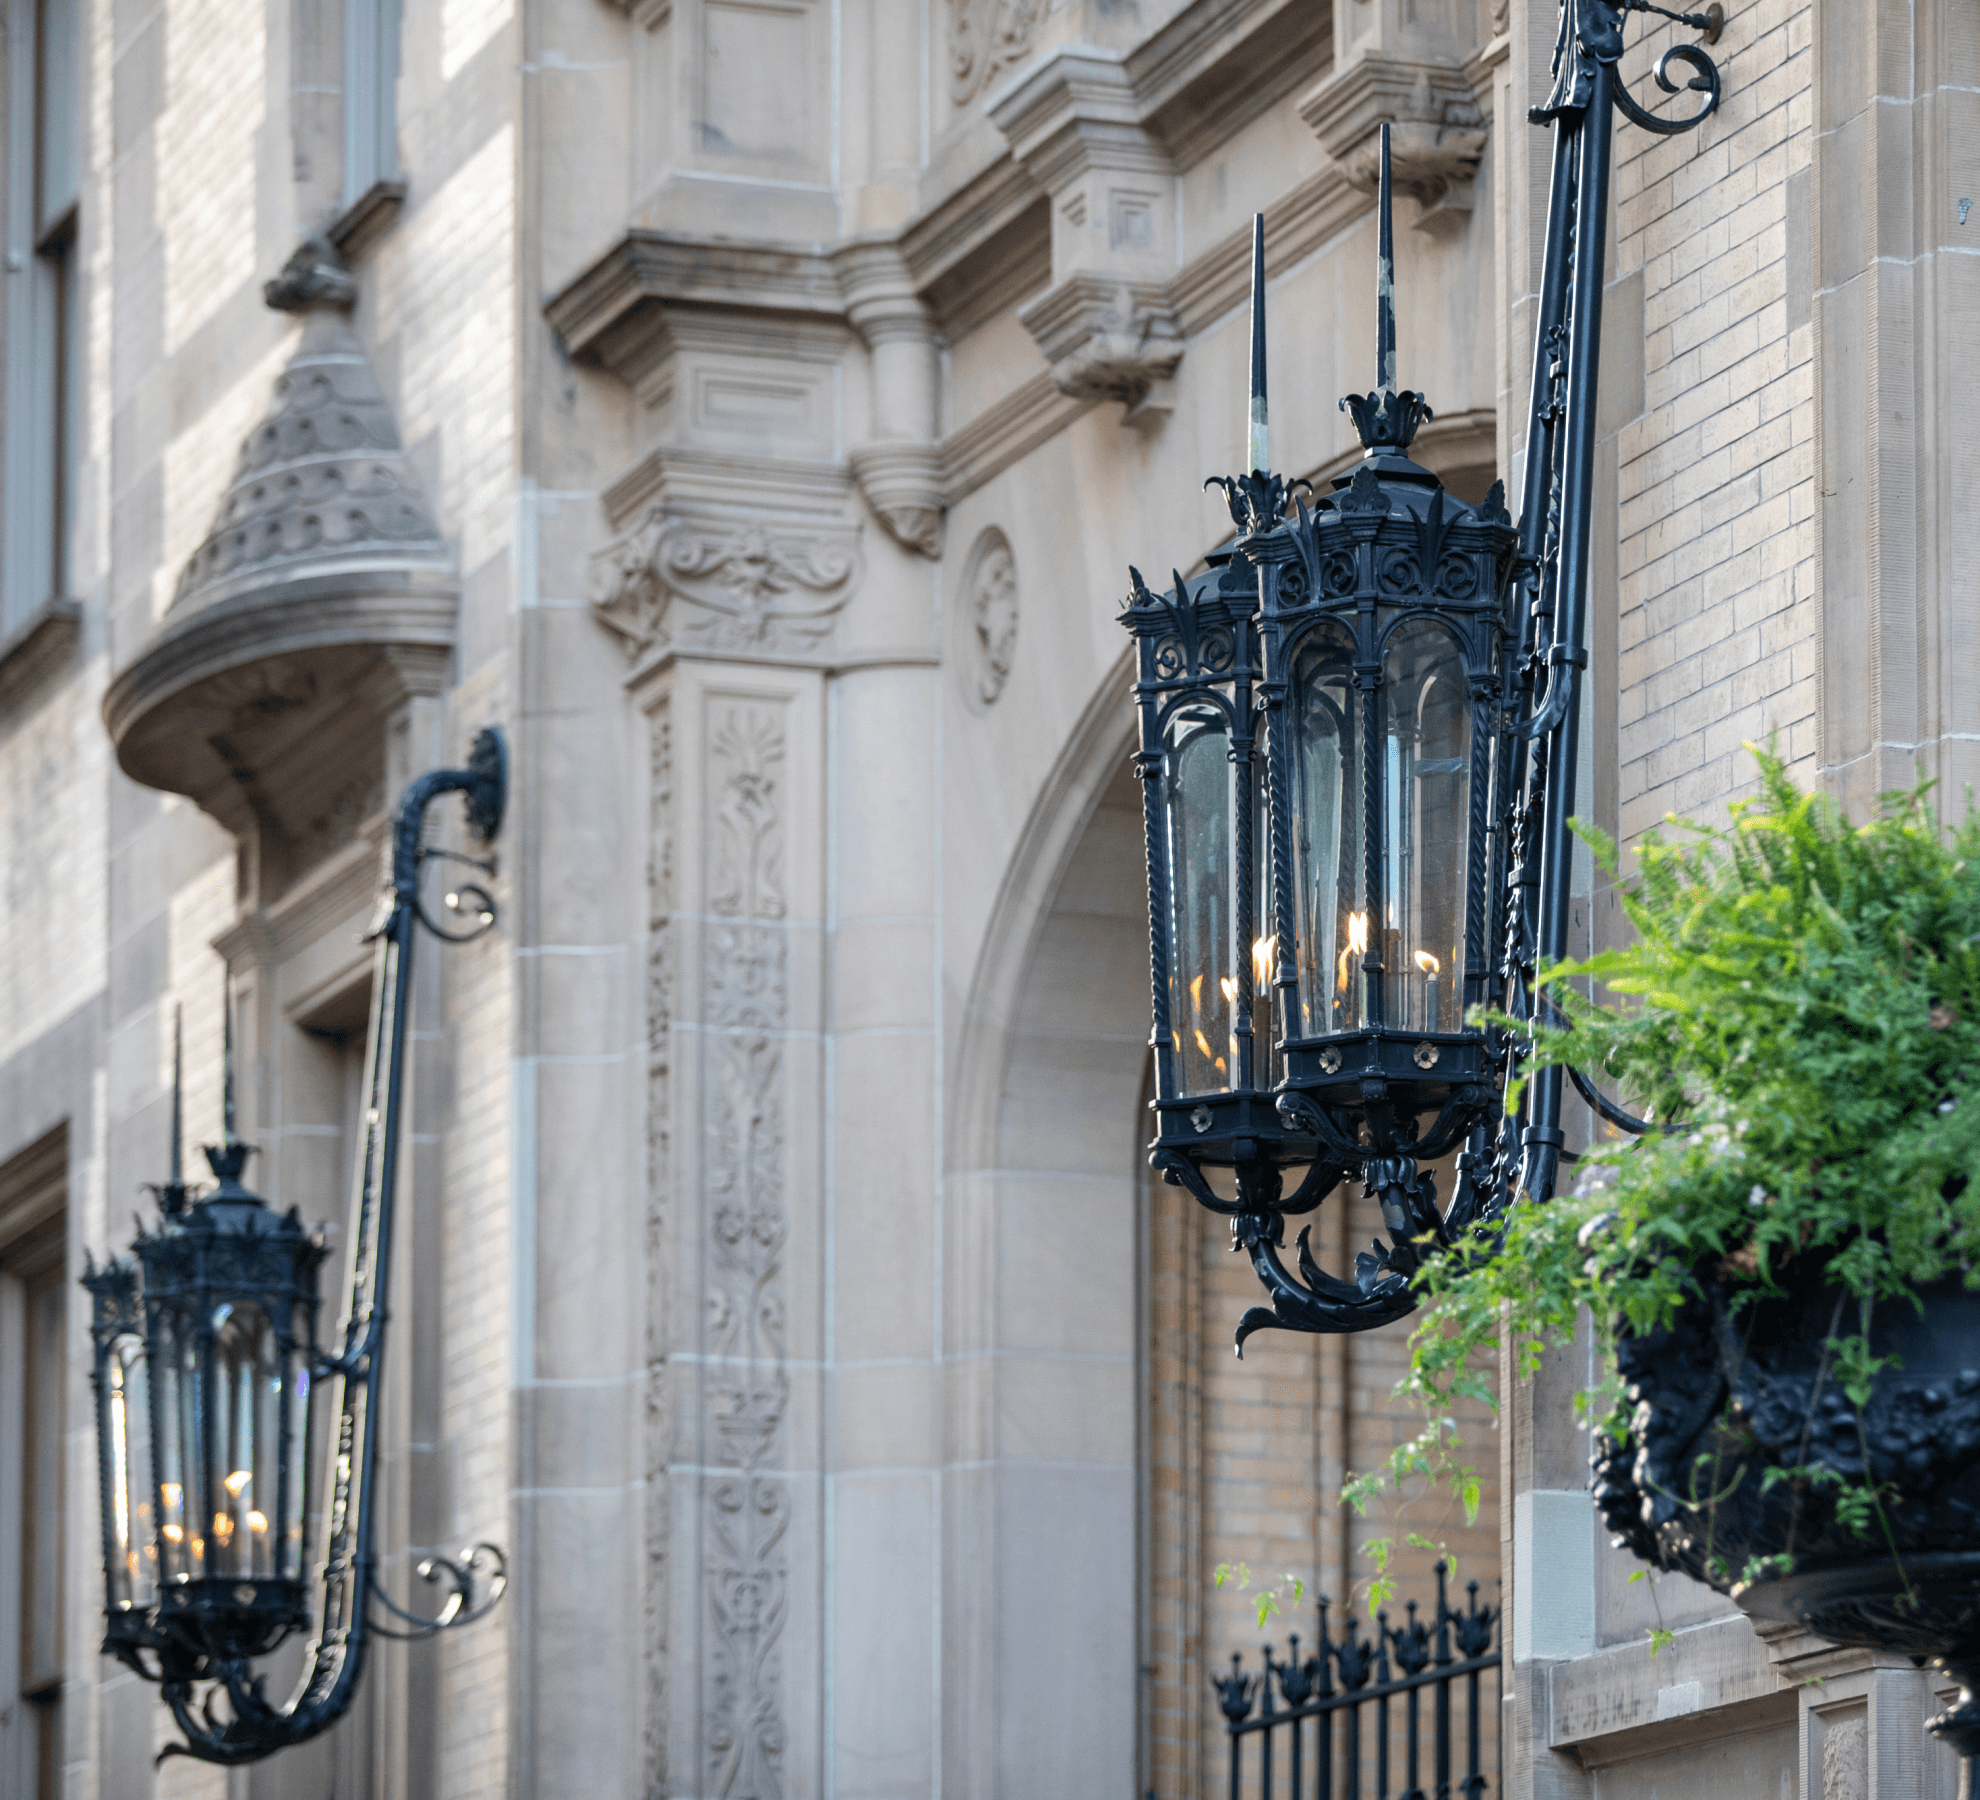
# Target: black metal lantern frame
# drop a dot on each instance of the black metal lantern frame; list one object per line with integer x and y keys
{"x": 1358, "y": 735}
{"x": 206, "y": 1371}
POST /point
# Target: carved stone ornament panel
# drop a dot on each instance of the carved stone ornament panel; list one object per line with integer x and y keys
{"x": 986, "y": 37}
{"x": 689, "y": 580}
{"x": 745, "y": 1378}
{"x": 990, "y": 614}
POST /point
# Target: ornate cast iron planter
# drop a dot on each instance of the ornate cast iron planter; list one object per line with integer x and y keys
{"x": 1743, "y": 1444}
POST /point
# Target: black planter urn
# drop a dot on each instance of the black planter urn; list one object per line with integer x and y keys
{"x": 1745, "y": 1465}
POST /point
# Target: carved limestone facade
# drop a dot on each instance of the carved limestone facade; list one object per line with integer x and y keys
{"x": 753, "y": 406}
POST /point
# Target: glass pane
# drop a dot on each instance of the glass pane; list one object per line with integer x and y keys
{"x": 1201, "y": 988}
{"x": 181, "y": 1548}
{"x": 294, "y": 1498}
{"x": 1426, "y": 859}
{"x": 136, "y": 1547}
{"x": 1325, "y": 773}
{"x": 247, "y": 1403}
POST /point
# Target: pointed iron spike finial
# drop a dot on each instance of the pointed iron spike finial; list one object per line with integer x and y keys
{"x": 227, "y": 1063}
{"x": 178, "y": 1097}
{"x": 1258, "y": 452}
{"x": 1385, "y": 283}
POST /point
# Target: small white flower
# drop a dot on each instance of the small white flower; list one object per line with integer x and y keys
{"x": 1756, "y": 1195}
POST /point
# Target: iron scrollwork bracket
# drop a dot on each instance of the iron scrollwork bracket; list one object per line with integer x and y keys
{"x": 252, "y": 1727}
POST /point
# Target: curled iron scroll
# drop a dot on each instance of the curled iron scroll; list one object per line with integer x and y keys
{"x": 1705, "y": 80}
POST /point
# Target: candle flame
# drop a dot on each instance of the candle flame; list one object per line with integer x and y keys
{"x": 174, "y": 1534}
{"x": 1427, "y": 963}
{"x": 236, "y": 1483}
{"x": 170, "y": 1491}
{"x": 257, "y": 1523}
{"x": 1264, "y": 953}
{"x": 1356, "y": 944}
{"x": 223, "y": 1529}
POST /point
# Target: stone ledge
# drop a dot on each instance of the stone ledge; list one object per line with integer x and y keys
{"x": 44, "y": 639}
{"x": 1712, "y": 1680}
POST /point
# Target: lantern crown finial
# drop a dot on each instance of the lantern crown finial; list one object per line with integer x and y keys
{"x": 1258, "y": 452}
{"x": 1386, "y": 420}
{"x": 172, "y": 1194}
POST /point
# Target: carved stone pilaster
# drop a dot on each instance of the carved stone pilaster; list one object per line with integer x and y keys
{"x": 745, "y": 1510}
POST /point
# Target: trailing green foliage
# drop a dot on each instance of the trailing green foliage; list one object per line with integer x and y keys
{"x": 1800, "y": 1013}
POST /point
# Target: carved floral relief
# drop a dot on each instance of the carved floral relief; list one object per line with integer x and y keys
{"x": 746, "y": 1383}
{"x": 987, "y": 37}
{"x": 990, "y": 606}
{"x": 722, "y": 584}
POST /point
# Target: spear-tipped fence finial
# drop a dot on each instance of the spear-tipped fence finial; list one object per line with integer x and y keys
{"x": 1259, "y": 457}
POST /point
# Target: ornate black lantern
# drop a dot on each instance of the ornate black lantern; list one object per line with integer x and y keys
{"x": 207, "y": 1371}
{"x": 1357, "y": 750}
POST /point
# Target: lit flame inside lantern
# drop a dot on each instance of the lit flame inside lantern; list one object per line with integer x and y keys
{"x": 1427, "y": 963}
{"x": 1264, "y": 953}
{"x": 1357, "y": 945}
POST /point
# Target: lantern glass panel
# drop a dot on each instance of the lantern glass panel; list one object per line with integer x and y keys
{"x": 1202, "y": 989}
{"x": 1324, "y": 770}
{"x": 1426, "y": 852}
{"x": 175, "y": 1369}
{"x": 247, "y": 1442}
{"x": 295, "y": 1418}
{"x": 133, "y": 1570}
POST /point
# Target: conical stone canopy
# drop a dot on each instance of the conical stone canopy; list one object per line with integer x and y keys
{"x": 323, "y": 480}
{"x": 323, "y": 596}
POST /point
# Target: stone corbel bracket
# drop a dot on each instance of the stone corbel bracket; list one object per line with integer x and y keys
{"x": 1437, "y": 135}
{"x": 704, "y": 564}
{"x": 1107, "y": 326}
{"x": 899, "y": 469}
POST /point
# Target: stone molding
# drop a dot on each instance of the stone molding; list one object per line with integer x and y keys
{"x": 1004, "y": 432}
{"x": 42, "y": 640}
{"x": 1437, "y": 133}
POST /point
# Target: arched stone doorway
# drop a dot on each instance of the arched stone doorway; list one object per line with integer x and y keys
{"x": 1109, "y": 1449}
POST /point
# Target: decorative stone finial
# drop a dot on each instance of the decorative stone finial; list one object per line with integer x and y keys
{"x": 316, "y": 275}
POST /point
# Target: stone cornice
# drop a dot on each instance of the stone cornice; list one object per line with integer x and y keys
{"x": 612, "y": 308}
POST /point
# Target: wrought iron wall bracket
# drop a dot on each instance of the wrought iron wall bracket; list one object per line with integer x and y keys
{"x": 220, "y": 1702}
{"x": 1347, "y": 1099}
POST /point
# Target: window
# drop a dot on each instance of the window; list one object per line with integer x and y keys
{"x": 41, "y": 388}
{"x": 33, "y": 1382}
{"x": 371, "y": 90}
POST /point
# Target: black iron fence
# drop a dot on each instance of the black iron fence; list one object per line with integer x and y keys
{"x": 1352, "y": 1712}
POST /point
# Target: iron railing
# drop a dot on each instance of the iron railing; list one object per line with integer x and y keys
{"x": 1353, "y": 1682}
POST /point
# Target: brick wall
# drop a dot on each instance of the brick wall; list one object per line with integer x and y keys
{"x": 1716, "y": 559}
